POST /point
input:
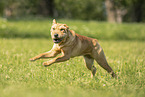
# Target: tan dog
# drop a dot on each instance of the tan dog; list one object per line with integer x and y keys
{"x": 70, "y": 45}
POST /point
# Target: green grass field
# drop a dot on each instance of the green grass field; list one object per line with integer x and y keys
{"x": 123, "y": 44}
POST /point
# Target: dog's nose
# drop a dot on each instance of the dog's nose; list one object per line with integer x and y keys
{"x": 55, "y": 35}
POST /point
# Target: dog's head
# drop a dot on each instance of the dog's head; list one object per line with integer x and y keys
{"x": 59, "y": 32}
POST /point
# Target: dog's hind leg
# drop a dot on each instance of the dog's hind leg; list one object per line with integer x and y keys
{"x": 101, "y": 60}
{"x": 89, "y": 64}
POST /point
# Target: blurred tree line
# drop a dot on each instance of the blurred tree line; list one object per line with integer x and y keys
{"x": 111, "y": 10}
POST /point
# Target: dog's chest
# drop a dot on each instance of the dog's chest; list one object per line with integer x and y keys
{"x": 76, "y": 51}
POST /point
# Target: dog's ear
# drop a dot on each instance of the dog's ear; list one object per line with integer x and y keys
{"x": 72, "y": 33}
{"x": 54, "y": 21}
{"x": 66, "y": 26}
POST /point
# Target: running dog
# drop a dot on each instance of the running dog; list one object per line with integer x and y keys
{"x": 71, "y": 44}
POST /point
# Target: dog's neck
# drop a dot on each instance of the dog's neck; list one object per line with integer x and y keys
{"x": 68, "y": 40}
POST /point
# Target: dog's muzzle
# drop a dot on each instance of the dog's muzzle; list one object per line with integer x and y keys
{"x": 57, "y": 40}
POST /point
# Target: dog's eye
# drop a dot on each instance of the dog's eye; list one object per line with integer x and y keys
{"x": 53, "y": 28}
{"x": 61, "y": 29}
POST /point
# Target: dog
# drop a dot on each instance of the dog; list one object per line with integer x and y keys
{"x": 71, "y": 44}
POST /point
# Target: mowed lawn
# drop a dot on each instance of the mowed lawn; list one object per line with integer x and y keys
{"x": 123, "y": 44}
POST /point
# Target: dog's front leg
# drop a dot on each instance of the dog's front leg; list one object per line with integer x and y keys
{"x": 49, "y": 54}
{"x": 57, "y": 59}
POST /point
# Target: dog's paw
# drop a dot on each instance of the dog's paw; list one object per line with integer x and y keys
{"x": 46, "y": 64}
{"x": 114, "y": 75}
{"x": 32, "y": 59}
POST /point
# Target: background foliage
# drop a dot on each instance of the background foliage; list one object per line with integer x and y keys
{"x": 131, "y": 10}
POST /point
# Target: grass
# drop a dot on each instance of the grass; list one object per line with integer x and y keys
{"x": 100, "y": 30}
{"x": 21, "y": 40}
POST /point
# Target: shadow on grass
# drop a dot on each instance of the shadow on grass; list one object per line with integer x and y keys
{"x": 117, "y": 36}
{"x": 15, "y": 34}
{"x": 12, "y": 33}
{"x": 23, "y": 35}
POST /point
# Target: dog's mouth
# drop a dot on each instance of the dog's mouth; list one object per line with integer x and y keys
{"x": 57, "y": 40}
